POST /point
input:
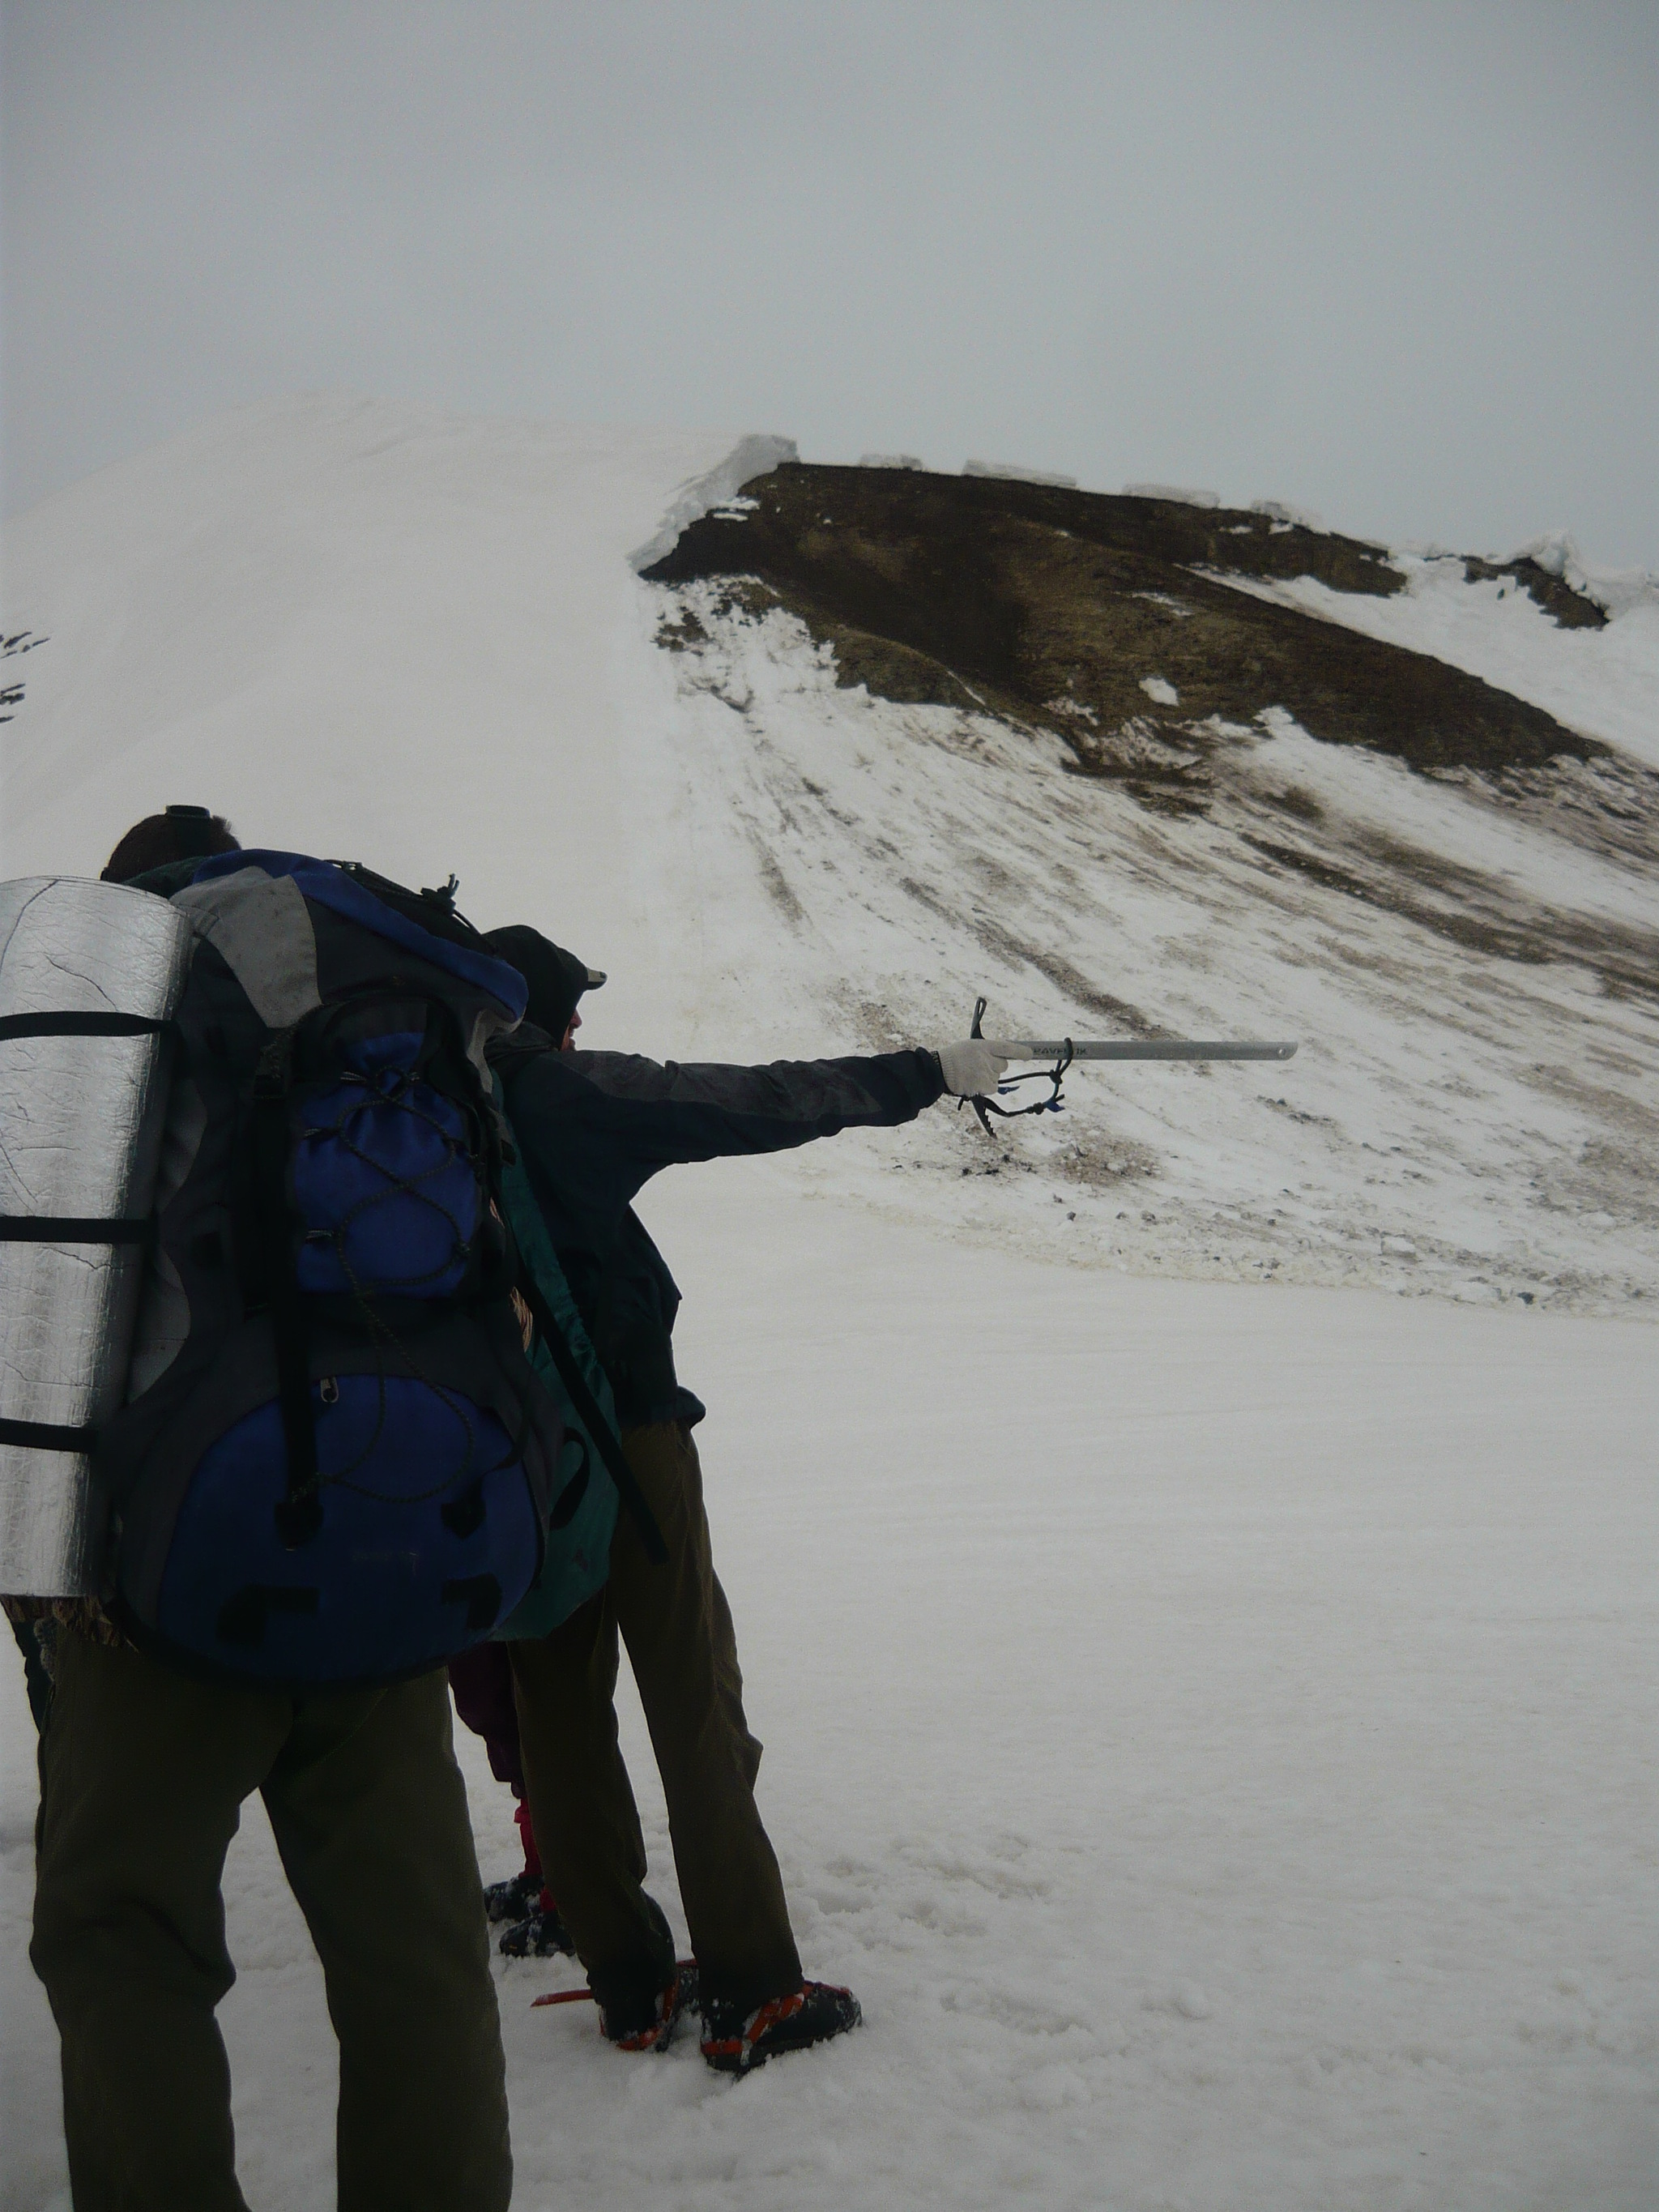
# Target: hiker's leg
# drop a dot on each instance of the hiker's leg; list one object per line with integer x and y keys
{"x": 586, "y": 1823}
{"x": 369, "y": 1813}
{"x": 481, "y": 1683}
{"x": 678, "y": 1627}
{"x": 144, "y": 1770}
{"x": 728, "y": 1674}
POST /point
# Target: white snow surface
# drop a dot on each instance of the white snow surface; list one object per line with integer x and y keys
{"x": 1210, "y": 1723}
{"x": 1211, "y": 1727}
{"x": 1182, "y": 494}
{"x": 751, "y": 457}
{"x": 1015, "y": 471}
{"x": 1277, "y": 510}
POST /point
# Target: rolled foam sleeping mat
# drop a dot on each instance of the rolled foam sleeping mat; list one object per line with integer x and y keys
{"x": 90, "y": 974}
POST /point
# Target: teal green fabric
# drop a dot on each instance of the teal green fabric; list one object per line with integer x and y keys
{"x": 578, "y": 1558}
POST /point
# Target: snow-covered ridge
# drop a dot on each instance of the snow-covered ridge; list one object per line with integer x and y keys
{"x": 1293, "y": 518}
{"x": 1016, "y": 472}
{"x": 1616, "y": 591}
{"x": 384, "y": 632}
{"x": 1471, "y": 955}
{"x": 1178, "y": 495}
{"x": 1604, "y": 682}
{"x": 753, "y": 456}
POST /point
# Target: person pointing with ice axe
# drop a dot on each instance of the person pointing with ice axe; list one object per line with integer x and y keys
{"x": 593, "y": 1129}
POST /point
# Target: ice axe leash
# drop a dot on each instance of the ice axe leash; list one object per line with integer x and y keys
{"x": 1063, "y": 1052}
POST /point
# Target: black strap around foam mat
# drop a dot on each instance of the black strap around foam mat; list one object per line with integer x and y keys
{"x": 87, "y": 1024}
{"x": 76, "y": 1229}
{"x": 47, "y": 1436}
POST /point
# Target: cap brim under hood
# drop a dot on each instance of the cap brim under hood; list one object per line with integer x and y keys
{"x": 555, "y": 977}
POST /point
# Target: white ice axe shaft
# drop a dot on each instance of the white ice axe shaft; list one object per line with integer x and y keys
{"x": 1157, "y": 1049}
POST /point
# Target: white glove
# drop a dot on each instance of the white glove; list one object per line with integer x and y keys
{"x": 970, "y": 1069}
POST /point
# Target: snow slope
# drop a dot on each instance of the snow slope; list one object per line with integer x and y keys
{"x": 1211, "y": 1728}
{"x": 362, "y": 629}
{"x": 1211, "y": 1724}
{"x": 1476, "y": 1101}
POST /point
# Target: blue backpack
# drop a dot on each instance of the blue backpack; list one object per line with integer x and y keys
{"x": 349, "y": 1448}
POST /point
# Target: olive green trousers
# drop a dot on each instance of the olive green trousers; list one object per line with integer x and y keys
{"x": 676, "y": 1625}
{"x": 144, "y": 1770}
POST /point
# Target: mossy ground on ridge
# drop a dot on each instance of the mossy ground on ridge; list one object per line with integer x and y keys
{"x": 1108, "y": 620}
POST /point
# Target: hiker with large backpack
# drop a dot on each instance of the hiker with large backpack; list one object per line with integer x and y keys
{"x": 328, "y": 1459}
{"x": 593, "y": 1129}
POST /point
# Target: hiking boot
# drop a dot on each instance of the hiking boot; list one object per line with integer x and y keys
{"x": 736, "y": 2043}
{"x": 539, "y": 1934}
{"x": 655, "y": 2030}
{"x": 512, "y": 1900}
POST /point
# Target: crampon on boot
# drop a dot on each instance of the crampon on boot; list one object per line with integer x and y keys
{"x": 539, "y": 1934}
{"x": 736, "y": 2043}
{"x": 512, "y": 1900}
{"x": 654, "y": 2031}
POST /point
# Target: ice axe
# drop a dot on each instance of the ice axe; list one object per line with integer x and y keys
{"x": 1062, "y": 1051}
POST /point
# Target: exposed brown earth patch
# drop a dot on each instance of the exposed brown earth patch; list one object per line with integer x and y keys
{"x": 1059, "y": 608}
{"x": 1571, "y": 609}
{"x": 1085, "y": 616}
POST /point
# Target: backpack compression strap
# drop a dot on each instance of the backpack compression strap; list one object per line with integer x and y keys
{"x": 300, "y": 1514}
{"x": 72, "y": 1228}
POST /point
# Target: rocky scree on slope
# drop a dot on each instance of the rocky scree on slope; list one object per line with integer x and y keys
{"x": 11, "y": 693}
{"x": 1075, "y": 767}
{"x": 1048, "y": 607}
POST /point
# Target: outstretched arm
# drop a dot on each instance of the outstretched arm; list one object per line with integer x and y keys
{"x": 596, "y": 1126}
{"x": 676, "y": 1111}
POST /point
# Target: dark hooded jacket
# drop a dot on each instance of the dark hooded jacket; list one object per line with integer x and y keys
{"x": 595, "y": 1127}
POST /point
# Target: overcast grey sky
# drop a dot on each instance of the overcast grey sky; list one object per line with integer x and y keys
{"x": 1397, "y": 262}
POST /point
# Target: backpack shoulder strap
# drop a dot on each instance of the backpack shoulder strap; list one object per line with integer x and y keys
{"x": 544, "y": 1291}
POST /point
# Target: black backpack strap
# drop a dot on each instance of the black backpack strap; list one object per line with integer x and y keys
{"x": 593, "y": 1418}
{"x": 433, "y": 910}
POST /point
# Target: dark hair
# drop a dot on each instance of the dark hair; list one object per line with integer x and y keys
{"x": 182, "y": 833}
